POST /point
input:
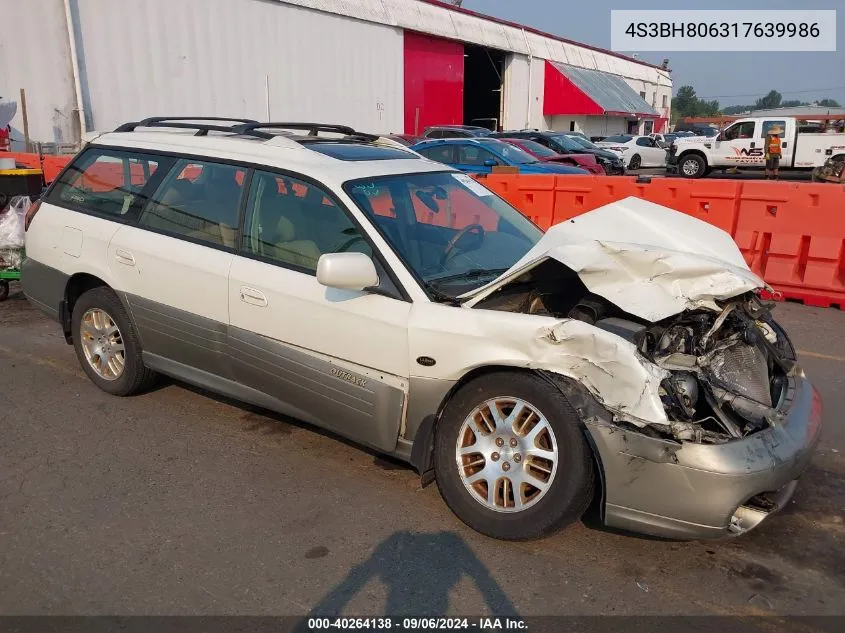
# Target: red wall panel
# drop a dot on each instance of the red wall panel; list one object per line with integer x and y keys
{"x": 561, "y": 96}
{"x": 434, "y": 81}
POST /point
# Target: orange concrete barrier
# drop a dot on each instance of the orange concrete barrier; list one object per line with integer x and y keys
{"x": 29, "y": 161}
{"x": 791, "y": 234}
{"x": 533, "y": 195}
{"x": 714, "y": 201}
{"x": 53, "y": 165}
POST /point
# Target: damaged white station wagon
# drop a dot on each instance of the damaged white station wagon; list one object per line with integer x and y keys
{"x": 624, "y": 357}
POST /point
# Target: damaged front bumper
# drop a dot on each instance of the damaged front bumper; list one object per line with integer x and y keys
{"x": 685, "y": 490}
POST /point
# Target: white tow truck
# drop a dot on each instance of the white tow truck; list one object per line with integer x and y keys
{"x": 742, "y": 144}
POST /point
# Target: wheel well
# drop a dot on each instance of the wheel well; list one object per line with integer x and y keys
{"x": 578, "y": 396}
{"x": 688, "y": 152}
{"x": 77, "y": 285}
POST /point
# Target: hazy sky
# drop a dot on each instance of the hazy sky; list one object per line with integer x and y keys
{"x": 732, "y": 78}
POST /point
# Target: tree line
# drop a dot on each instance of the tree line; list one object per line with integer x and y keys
{"x": 686, "y": 103}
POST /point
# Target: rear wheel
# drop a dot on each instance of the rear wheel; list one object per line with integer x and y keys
{"x": 107, "y": 345}
{"x": 635, "y": 162}
{"x": 510, "y": 458}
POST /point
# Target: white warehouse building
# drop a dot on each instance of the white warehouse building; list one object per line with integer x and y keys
{"x": 383, "y": 66}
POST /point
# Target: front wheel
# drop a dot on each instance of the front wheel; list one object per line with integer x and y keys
{"x": 510, "y": 458}
{"x": 693, "y": 166}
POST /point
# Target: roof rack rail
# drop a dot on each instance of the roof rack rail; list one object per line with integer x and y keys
{"x": 248, "y": 127}
{"x": 313, "y": 129}
{"x": 181, "y": 122}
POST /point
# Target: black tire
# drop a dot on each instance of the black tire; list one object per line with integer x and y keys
{"x": 572, "y": 488}
{"x": 692, "y": 166}
{"x": 135, "y": 378}
{"x": 635, "y": 162}
{"x": 4, "y": 289}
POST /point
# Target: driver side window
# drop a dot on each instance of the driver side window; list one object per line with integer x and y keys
{"x": 292, "y": 223}
{"x": 740, "y": 130}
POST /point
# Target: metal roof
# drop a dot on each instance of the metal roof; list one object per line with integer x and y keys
{"x": 610, "y": 92}
{"x": 435, "y": 18}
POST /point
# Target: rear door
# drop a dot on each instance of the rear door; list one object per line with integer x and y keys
{"x": 173, "y": 265}
{"x": 787, "y": 141}
{"x": 652, "y": 154}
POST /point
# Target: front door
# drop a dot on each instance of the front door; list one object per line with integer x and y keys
{"x": 174, "y": 265}
{"x": 475, "y": 159}
{"x": 334, "y": 358}
{"x": 737, "y": 146}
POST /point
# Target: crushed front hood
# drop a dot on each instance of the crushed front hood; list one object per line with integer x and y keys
{"x": 649, "y": 260}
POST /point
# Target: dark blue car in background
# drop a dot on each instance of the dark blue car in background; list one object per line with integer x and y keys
{"x": 480, "y": 155}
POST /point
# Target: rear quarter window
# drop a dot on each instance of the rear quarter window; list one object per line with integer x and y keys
{"x": 104, "y": 181}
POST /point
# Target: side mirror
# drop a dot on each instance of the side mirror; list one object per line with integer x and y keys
{"x": 347, "y": 271}
{"x": 490, "y": 163}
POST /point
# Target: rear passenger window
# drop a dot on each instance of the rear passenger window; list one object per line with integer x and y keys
{"x": 442, "y": 154}
{"x": 104, "y": 181}
{"x": 197, "y": 200}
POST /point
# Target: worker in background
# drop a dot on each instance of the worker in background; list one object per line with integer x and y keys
{"x": 772, "y": 151}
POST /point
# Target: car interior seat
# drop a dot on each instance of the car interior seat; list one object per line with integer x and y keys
{"x": 283, "y": 230}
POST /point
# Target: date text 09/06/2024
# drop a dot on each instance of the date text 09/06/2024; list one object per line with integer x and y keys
{"x": 417, "y": 624}
{"x": 723, "y": 29}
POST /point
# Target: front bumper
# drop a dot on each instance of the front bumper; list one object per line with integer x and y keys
{"x": 617, "y": 169}
{"x": 696, "y": 491}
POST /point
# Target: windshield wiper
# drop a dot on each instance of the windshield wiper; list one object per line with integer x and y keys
{"x": 439, "y": 295}
{"x": 475, "y": 273}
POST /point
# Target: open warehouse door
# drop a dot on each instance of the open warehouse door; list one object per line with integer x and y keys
{"x": 483, "y": 86}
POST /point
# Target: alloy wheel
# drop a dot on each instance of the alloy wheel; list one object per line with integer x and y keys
{"x": 507, "y": 454}
{"x": 102, "y": 344}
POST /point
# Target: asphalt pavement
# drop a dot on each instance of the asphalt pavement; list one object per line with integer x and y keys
{"x": 179, "y": 502}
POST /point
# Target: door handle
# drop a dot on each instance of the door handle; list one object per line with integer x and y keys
{"x": 124, "y": 257}
{"x": 253, "y": 297}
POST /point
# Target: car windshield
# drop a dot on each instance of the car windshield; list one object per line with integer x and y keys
{"x": 512, "y": 153}
{"x": 538, "y": 150}
{"x": 568, "y": 143}
{"x": 620, "y": 138}
{"x": 451, "y": 232}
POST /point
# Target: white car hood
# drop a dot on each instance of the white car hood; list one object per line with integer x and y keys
{"x": 649, "y": 260}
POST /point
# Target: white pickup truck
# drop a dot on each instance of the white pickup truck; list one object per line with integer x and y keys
{"x": 742, "y": 144}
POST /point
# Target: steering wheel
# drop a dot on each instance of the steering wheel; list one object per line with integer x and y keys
{"x": 477, "y": 228}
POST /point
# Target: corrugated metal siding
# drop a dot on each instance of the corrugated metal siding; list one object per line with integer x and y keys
{"x": 517, "y": 93}
{"x": 35, "y": 56}
{"x": 591, "y": 125}
{"x": 611, "y": 92}
{"x": 214, "y": 57}
{"x": 441, "y": 21}
{"x": 327, "y": 59}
